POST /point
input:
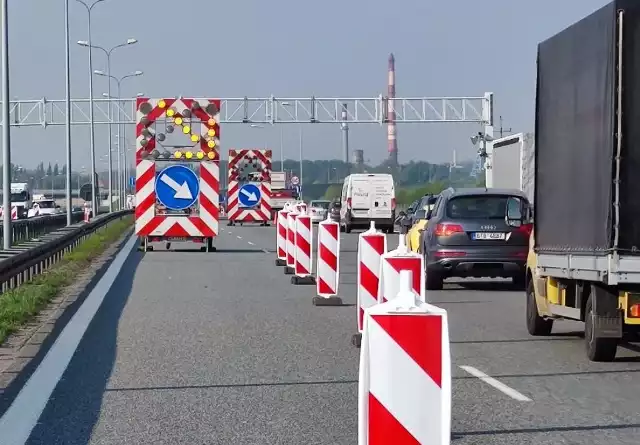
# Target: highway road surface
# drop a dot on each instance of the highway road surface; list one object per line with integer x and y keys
{"x": 194, "y": 348}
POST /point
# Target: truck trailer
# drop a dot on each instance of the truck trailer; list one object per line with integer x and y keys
{"x": 584, "y": 258}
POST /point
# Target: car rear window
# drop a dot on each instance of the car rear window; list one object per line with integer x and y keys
{"x": 482, "y": 206}
{"x": 320, "y": 204}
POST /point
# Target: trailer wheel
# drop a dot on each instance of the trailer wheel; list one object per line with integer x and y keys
{"x": 536, "y": 325}
{"x": 598, "y": 349}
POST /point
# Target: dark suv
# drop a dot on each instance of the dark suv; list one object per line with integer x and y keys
{"x": 468, "y": 236}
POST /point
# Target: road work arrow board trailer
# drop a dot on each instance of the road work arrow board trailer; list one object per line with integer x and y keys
{"x": 177, "y": 170}
{"x": 510, "y": 163}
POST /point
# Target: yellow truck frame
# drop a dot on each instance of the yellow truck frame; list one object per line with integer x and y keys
{"x": 609, "y": 312}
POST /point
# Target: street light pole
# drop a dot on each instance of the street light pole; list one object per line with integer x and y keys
{"x": 6, "y": 131}
{"x": 110, "y": 108}
{"x": 68, "y": 110}
{"x": 92, "y": 135}
{"x": 119, "y": 82}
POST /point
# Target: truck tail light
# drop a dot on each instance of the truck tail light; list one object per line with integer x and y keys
{"x": 447, "y": 229}
{"x": 393, "y": 203}
{"x": 526, "y": 229}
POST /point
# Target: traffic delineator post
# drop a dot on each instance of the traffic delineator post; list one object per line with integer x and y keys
{"x": 393, "y": 263}
{"x": 404, "y": 384}
{"x": 328, "y": 264}
{"x": 87, "y": 214}
{"x": 291, "y": 241}
{"x": 14, "y": 213}
{"x": 303, "y": 268}
{"x": 281, "y": 236}
{"x": 372, "y": 244}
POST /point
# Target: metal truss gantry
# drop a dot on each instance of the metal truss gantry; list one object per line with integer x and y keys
{"x": 374, "y": 110}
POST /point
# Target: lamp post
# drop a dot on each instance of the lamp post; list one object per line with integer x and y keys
{"x": 94, "y": 200}
{"x": 68, "y": 109}
{"x": 108, "y": 52}
{"x": 118, "y": 82}
{"x": 6, "y": 131}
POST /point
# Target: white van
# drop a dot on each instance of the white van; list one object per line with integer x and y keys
{"x": 365, "y": 198}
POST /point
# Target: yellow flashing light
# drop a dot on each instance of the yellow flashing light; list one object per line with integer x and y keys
{"x": 211, "y": 132}
{"x": 162, "y": 104}
{"x": 195, "y": 138}
{"x": 188, "y": 155}
{"x": 200, "y": 155}
{"x": 211, "y": 122}
{"x": 178, "y": 121}
{"x": 171, "y": 112}
{"x": 186, "y": 129}
{"x": 178, "y": 154}
{"x": 211, "y": 144}
{"x": 211, "y": 155}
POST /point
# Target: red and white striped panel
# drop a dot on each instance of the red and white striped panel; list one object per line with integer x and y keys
{"x": 404, "y": 391}
{"x": 261, "y": 212}
{"x": 392, "y": 264}
{"x": 328, "y": 269}
{"x": 205, "y": 111}
{"x": 14, "y": 213}
{"x": 372, "y": 244}
{"x": 304, "y": 241}
{"x": 291, "y": 238}
{"x": 281, "y": 237}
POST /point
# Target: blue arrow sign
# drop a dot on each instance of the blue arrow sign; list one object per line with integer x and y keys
{"x": 132, "y": 181}
{"x": 177, "y": 187}
{"x": 249, "y": 195}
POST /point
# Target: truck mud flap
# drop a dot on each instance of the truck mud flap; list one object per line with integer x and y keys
{"x": 606, "y": 326}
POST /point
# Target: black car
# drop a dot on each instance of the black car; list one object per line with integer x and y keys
{"x": 468, "y": 235}
{"x": 334, "y": 210}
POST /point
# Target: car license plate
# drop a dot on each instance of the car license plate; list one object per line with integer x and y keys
{"x": 176, "y": 238}
{"x": 488, "y": 236}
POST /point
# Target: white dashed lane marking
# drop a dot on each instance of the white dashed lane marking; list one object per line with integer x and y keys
{"x": 496, "y": 384}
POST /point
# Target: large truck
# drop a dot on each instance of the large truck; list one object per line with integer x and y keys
{"x": 584, "y": 257}
{"x": 510, "y": 163}
{"x": 21, "y": 198}
{"x": 281, "y": 191}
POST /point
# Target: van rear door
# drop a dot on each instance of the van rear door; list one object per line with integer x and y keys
{"x": 382, "y": 194}
{"x": 360, "y": 196}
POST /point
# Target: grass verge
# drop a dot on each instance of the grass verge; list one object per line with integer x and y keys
{"x": 19, "y": 305}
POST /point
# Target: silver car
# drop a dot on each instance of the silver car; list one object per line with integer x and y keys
{"x": 319, "y": 210}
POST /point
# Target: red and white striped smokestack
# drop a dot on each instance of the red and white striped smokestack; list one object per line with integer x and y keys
{"x": 391, "y": 112}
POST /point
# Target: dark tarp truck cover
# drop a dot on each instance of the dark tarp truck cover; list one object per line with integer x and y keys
{"x": 576, "y": 126}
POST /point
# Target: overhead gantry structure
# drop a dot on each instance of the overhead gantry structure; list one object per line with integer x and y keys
{"x": 273, "y": 110}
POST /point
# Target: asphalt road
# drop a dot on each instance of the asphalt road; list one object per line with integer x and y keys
{"x": 195, "y": 348}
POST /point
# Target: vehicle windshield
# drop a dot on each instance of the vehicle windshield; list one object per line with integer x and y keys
{"x": 20, "y": 196}
{"x": 47, "y": 204}
{"x": 483, "y": 206}
{"x": 320, "y": 204}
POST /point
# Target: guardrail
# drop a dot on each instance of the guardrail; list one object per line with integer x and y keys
{"x": 23, "y": 262}
{"x": 26, "y": 229}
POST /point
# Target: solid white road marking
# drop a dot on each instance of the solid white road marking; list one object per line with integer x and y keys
{"x": 238, "y": 236}
{"x": 496, "y": 384}
{"x": 22, "y": 416}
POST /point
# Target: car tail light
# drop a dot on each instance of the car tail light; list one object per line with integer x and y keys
{"x": 449, "y": 254}
{"x": 393, "y": 203}
{"x": 448, "y": 229}
{"x": 526, "y": 229}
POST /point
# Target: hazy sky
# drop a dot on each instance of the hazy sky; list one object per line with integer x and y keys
{"x": 207, "y": 48}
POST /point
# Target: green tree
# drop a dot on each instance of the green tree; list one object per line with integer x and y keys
{"x": 333, "y": 192}
{"x": 49, "y": 170}
{"x": 56, "y": 170}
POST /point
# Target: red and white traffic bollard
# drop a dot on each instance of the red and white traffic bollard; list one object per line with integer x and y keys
{"x": 291, "y": 242}
{"x": 404, "y": 385}
{"x": 393, "y": 263}
{"x": 372, "y": 244}
{"x": 304, "y": 252}
{"x": 281, "y": 236}
{"x": 87, "y": 214}
{"x": 14, "y": 213}
{"x": 328, "y": 268}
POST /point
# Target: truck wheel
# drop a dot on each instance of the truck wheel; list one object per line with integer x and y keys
{"x": 347, "y": 228}
{"x": 536, "y": 325}
{"x": 598, "y": 349}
